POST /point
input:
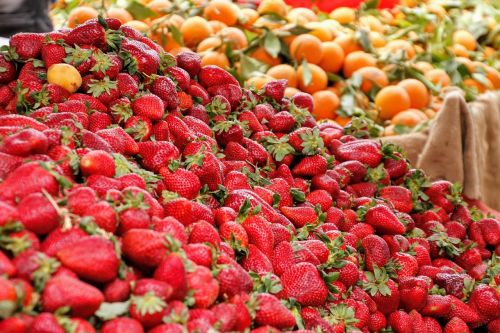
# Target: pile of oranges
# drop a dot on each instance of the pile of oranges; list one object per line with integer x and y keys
{"x": 390, "y": 65}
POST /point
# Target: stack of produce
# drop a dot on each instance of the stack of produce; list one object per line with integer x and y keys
{"x": 145, "y": 193}
{"x": 389, "y": 65}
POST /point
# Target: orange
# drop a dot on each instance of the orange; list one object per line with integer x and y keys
{"x": 430, "y": 113}
{"x": 320, "y": 30}
{"x": 261, "y": 54}
{"x": 65, "y": 76}
{"x": 301, "y": 16}
{"x": 235, "y": 37}
{"x": 478, "y": 86}
{"x": 248, "y": 17}
{"x": 423, "y": 66}
{"x": 438, "y": 77}
{"x": 306, "y": 47}
{"x": 211, "y": 43}
{"x": 372, "y": 23}
{"x": 399, "y": 44}
{"x": 81, "y": 14}
{"x": 342, "y": 121}
{"x": 389, "y": 130}
{"x": 120, "y": 14}
{"x": 464, "y": 38}
{"x": 215, "y": 58}
{"x": 137, "y": 25}
{"x": 258, "y": 81}
{"x": 264, "y": 22}
{"x": 176, "y": 20}
{"x": 160, "y": 7}
{"x": 377, "y": 39}
{"x": 409, "y": 118}
{"x": 216, "y": 26}
{"x": 223, "y": 11}
{"x": 493, "y": 75}
{"x": 319, "y": 79}
{"x": 391, "y": 100}
{"x": 325, "y": 104}
{"x": 194, "y": 30}
{"x": 467, "y": 62}
{"x": 488, "y": 52}
{"x": 348, "y": 43}
{"x": 459, "y": 50}
{"x": 333, "y": 57}
{"x": 372, "y": 75}
{"x": 419, "y": 95}
{"x": 284, "y": 71}
{"x": 277, "y": 7}
{"x": 337, "y": 88}
{"x": 290, "y": 91}
{"x": 178, "y": 50}
{"x": 343, "y": 15}
{"x": 356, "y": 60}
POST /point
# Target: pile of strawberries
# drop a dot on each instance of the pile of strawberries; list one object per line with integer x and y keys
{"x": 162, "y": 197}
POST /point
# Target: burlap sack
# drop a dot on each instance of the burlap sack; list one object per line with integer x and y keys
{"x": 462, "y": 145}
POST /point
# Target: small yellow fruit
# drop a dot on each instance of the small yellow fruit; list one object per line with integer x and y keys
{"x": 65, "y": 76}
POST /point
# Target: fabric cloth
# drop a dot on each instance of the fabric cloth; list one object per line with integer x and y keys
{"x": 462, "y": 145}
{"x": 24, "y": 16}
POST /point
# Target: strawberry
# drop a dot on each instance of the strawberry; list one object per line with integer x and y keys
{"x": 99, "y": 121}
{"x": 443, "y": 194}
{"x": 45, "y": 322}
{"x": 8, "y": 72}
{"x": 304, "y": 283}
{"x": 260, "y": 234}
{"x": 149, "y": 106}
{"x": 149, "y": 306}
{"x": 53, "y": 53}
{"x": 212, "y": 75}
{"x": 26, "y": 45}
{"x": 100, "y": 265}
{"x": 25, "y": 142}
{"x": 127, "y": 86}
{"x": 490, "y": 229}
{"x": 93, "y": 32}
{"x": 37, "y": 214}
{"x": 157, "y": 154}
{"x": 383, "y": 290}
{"x": 144, "y": 247}
{"x": 105, "y": 90}
{"x": 413, "y": 291}
{"x": 164, "y": 88}
{"x": 384, "y": 220}
{"x": 106, "y": 65}
{"x": 485, "y": 299}
{"x": 310, "y": 166}
{"x": 172, "y": 271}
{"x": 456, "y": 325}
{"x": 60, "y": 238}
{"x": 139, "y": 58}
{"x": 190, "y": 62}
{"x": 122, "y": 324}
{"x": 271, "y": 312}
{"x": 101, "y": 185}
{"x": 200, "y": 94}
{"x": 399, "y": 196}
{"x": 461, "y": 310}
{"x": 82, "y": 298}
{"x": 400, "y": 322}
{"x": 275, "y": 89}
{"x": 376, "y": 251}
{"x": 92, "y": 102}
{"x": 119, "y": 140}
{"x": 181, "y": 181}
{"x": 256, "y": 261}
{"x": 97, "y": 162}
{"x": 364, "y": 151}
{"x": 8, "y": 297}
{"x": 300, "y": 216}
{"x": 139, "y": 127}
{"x": 180, "y": 76}
{"x": 303, "y": 100}
{"x": 281, "y": 122}
{"x": 204, "y": 287}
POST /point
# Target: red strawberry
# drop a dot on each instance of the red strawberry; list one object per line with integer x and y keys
{"x": 53, "y": 53}
{"x": 120, "y": 140}
{"x": 106, "y": 65}
{"x": 485, "y": 299}
{"x": 60, "y": 238}
{"x": 138, "y": 57}
{"x": 99, "y": 121}
{"x": 260, "y": 234}
{"x": 400, "y": 322}
{"x": 25, "y": 142}
{"x": 256, "y": 261}
{"x": 213, "y": 75}
{"x": 122, "y": 324}
{"x": 180, "y": 76}
{"x": 181, "y": 181}
{"x": 97, "y": 162}
{"x": 364, "y": 151}
{"x": 62, "y": 290}
{"x": 304, "y": 101}
{"x": 148, "y": 304}
{"x": 164, "y": 88}
{"x": 139, "y": 127}
{"x": 310, "y": 166}
{"x": 461, "y": 310}
{"x": 38, "y": 214}
{"x": 149, "y": 106}
{"x": 190, "y": 62}
{"x": 281, "y": 122}
{"x": 99, "y": 265}
{"x": 127, "y": 86}
{"x": 275, "y": 89}
{"x": 144, "y": 247}
{"x": 490, "y": 229}
{"x": 45, "y": 322}
{"x": 157, "y": 154}
{"x": 456, "y": 325}
{"x": 384, "y": 220}
{"x": 27, "y": 45}
{"x": 8, "y": 72}
{"x": 204, "y": 287}
{"x": 304, "y": 283}
{"x": 399, "y": 196}
{"x": 376, "y": 251}
{"x": 172, "y": 271}
{"x": 272, "y": 312}
{"x": 300, "y": 216}
{"x": 443, "y": 194}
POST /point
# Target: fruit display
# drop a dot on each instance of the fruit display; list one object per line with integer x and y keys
{"x": 387, "y": 67}
{"x": 146, "y": 192}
